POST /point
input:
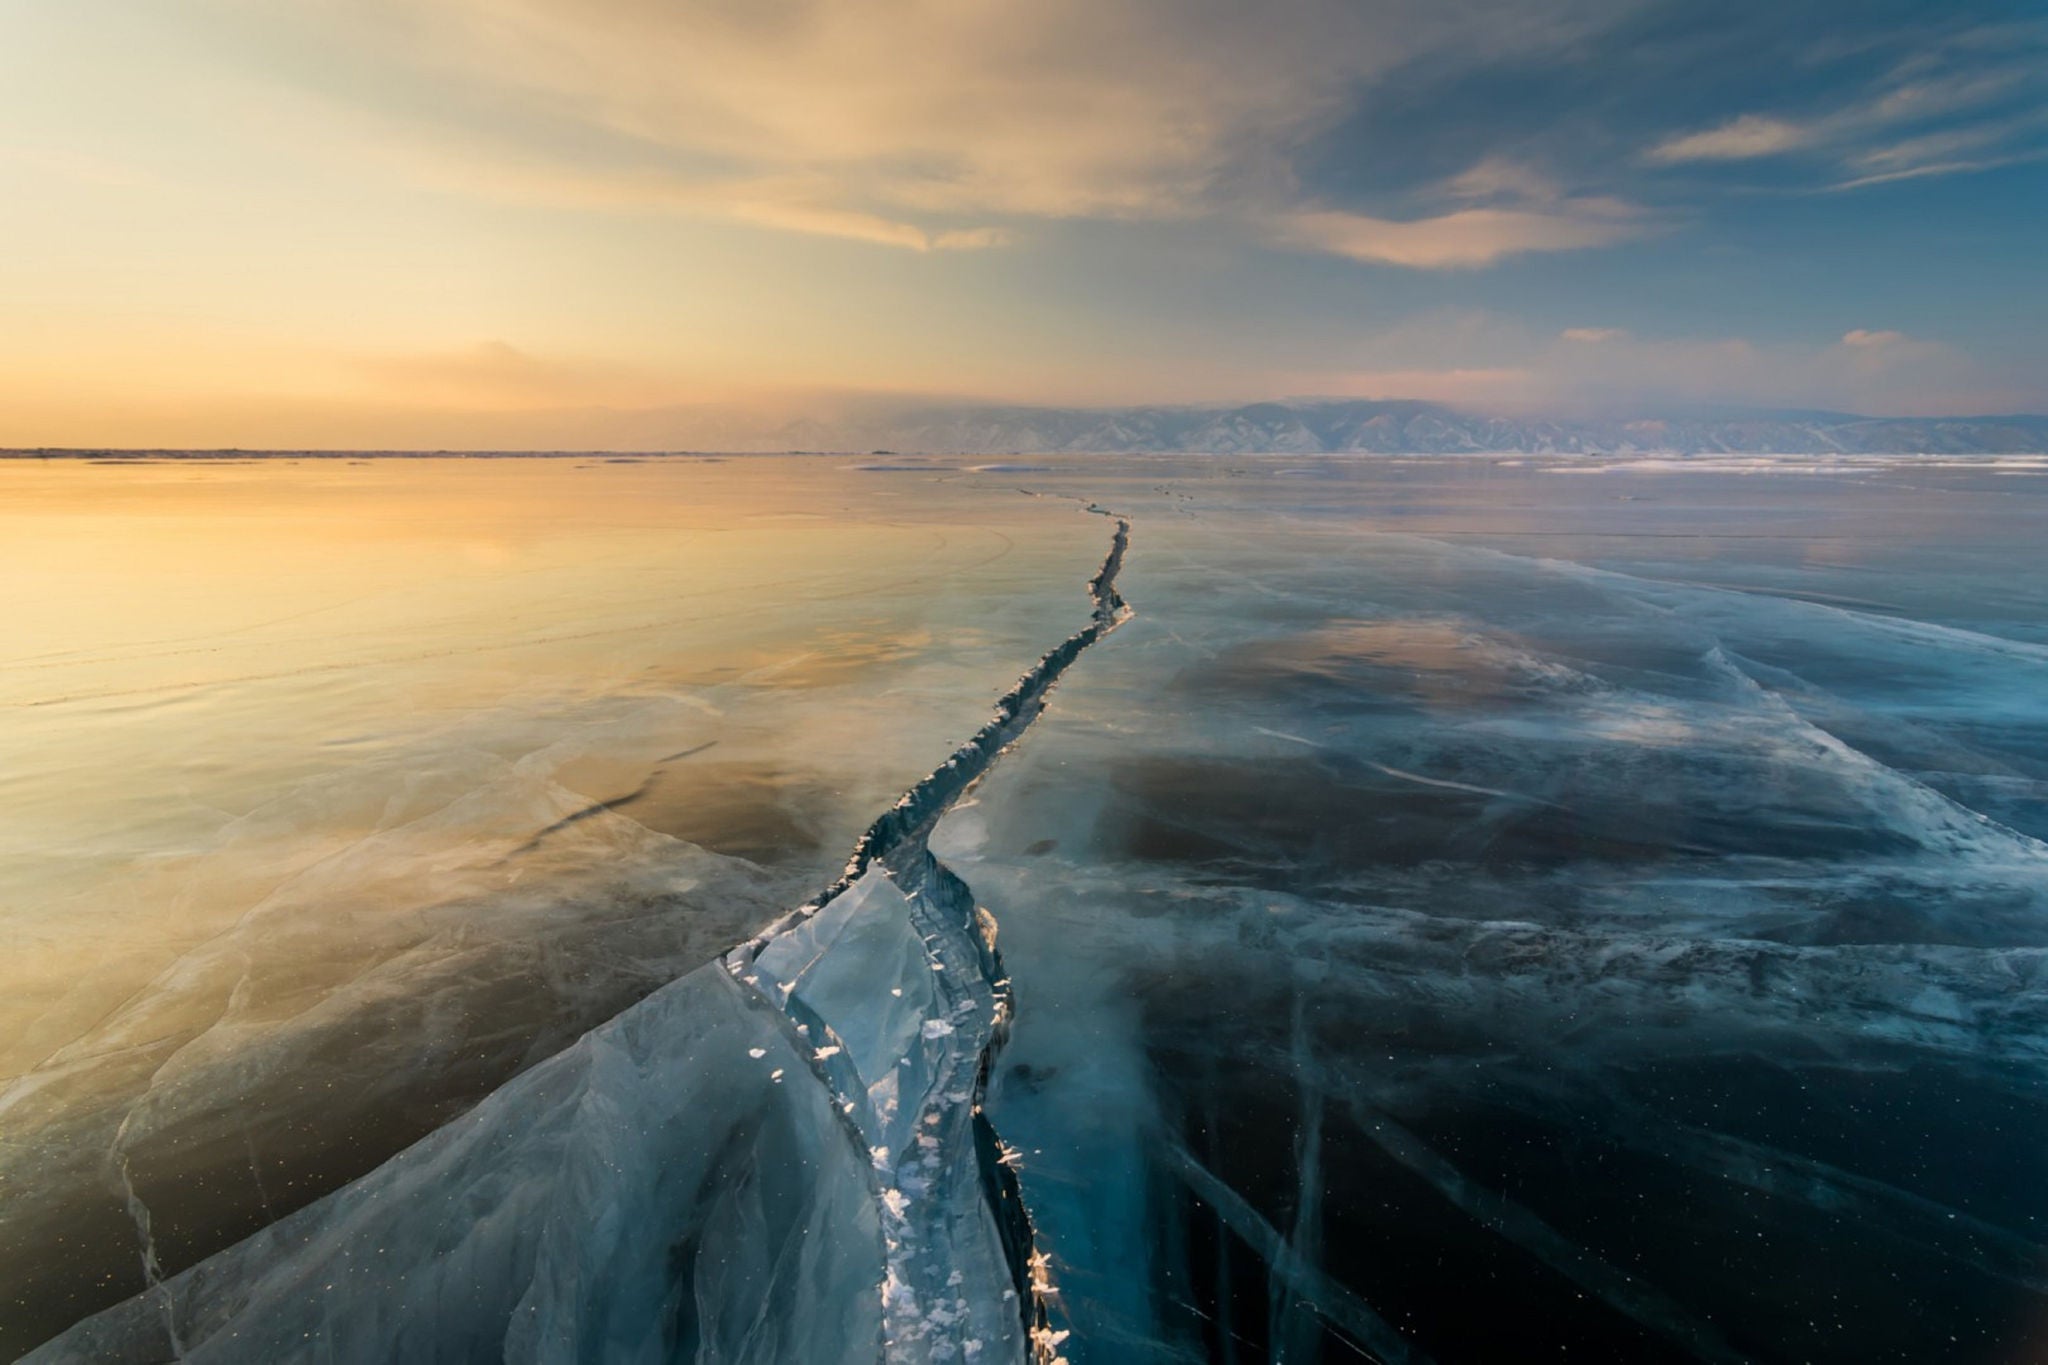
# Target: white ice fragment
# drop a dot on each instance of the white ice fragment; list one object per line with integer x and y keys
{"x": 593, "y": 1158}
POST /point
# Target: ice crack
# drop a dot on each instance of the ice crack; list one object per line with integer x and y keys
{"x": 891, "y": 979}
{"x": 152, "y": 1265}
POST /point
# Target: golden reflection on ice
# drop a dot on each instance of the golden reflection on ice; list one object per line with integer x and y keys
{"x": 320, "y": 760}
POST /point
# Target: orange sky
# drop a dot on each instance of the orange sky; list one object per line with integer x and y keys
{"x": 562, "y": 222}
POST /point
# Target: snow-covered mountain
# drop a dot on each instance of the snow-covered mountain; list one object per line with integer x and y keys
{"x": 1404, "y": 427}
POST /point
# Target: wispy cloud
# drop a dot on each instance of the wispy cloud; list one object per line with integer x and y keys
{"x": 799, "y": 204}
{"x": 1964, "y": 105}
{"x": 1464, "y": 238}
{"x": 1739, "y": 139}
{"x": 1098, "y": 108}
{"x": 1975, "y": 146}
{"x": 903, "y": 124}
{"x": 1927, "y": 170}
{"x": 1493, "y": 210}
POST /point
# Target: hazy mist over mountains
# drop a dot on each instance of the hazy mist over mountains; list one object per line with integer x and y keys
{"x": 1307, "y": 426}
{"x": 1407, "y": 427}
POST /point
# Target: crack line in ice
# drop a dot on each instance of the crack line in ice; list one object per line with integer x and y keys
{"x": 152, "y": 1266}
{"x": 1309, "y": 1285}
{"x": 922, "y": 1146}
{"x": 907, "y": 823}
{"x": 1879, "y": 1208}
{"x": 1292, "y": 1328}
{"x": 1641, "y": 1302}
{"x": 1639, "y": 587}
{"x": 1937, "y": 810}
{"x": 616, "y": 803}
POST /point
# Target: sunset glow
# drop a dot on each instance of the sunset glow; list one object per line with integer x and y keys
{"x": 540, "y": 223}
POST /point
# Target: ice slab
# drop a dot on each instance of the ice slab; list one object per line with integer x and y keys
{"x": 659, "y": 1190}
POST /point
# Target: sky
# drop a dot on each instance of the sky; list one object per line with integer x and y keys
{"x": 503, "y": 223}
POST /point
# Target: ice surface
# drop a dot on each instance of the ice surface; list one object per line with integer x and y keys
{"x": 338, "y": 795}
{"x": 648, "y": 1194}
{"x": 780, "y": 1157}
{"x": 898, "y": 993}
{"x": 1466, "y": 914}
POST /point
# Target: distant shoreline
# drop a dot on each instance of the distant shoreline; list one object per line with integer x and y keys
{"x": 142, "y": 456}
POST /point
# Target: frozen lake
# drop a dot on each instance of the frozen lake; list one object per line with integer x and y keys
{"x": 1466, "y": 910}
{"x": 338, "y": 793}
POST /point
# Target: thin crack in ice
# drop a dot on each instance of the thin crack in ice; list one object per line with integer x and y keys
{"x": 932, "y": 1149}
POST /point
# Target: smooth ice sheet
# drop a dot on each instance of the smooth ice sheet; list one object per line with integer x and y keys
{"x": 1477, "y": 914}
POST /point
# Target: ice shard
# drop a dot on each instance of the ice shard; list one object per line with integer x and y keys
{"x": 653, "y": 1188}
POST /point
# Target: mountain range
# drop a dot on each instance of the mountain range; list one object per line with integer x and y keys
{"x": 1413, "y": 428}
